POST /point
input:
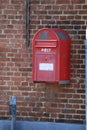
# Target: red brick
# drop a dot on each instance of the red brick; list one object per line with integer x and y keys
{"x": 41, "y": 101}
{"x": 4, "y": 1}
{"x": 62, "y": 1}
{"x": 18, "y": 2}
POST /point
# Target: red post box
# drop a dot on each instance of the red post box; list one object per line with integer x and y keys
{"x": 51, "y": 56}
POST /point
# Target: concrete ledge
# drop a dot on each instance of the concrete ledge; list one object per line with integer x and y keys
{"x": 34, "y": 125}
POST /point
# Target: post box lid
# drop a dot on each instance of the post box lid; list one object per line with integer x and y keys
{"x": 51, "y": 34}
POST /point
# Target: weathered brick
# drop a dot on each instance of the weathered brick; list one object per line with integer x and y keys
{"x": 4, "y": 1}
{"x": 18, "y": 2}
{"x": 41, "y": 101}
{"x": 62, "y": 2}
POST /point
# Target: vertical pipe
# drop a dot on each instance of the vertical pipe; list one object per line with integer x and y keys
{"x": 13, "y": 112}
{"x": 27, "y": 22}
{"x": 86, "y": 80}
{"x": 13, "y": 123}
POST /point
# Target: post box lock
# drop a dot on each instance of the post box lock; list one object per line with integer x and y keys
{"x": 46, "y": 58}
{"x": 51, "y": 56}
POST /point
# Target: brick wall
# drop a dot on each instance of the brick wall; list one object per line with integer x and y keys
{"x": 44, "y": 102}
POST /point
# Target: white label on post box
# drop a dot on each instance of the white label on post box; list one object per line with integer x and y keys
{"x": 46, "y": 66}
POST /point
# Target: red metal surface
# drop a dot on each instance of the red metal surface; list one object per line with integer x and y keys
{"x": 51, "y": 56}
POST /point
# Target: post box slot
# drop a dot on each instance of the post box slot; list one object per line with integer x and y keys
{"x": 46, "y": 44}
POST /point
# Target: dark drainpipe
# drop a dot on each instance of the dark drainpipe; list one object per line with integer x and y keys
{"x": 27, "y": 23}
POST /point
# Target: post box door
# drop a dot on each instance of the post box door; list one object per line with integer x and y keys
{"x": 51, "y": 56}
{"x": 45, "y": 67}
